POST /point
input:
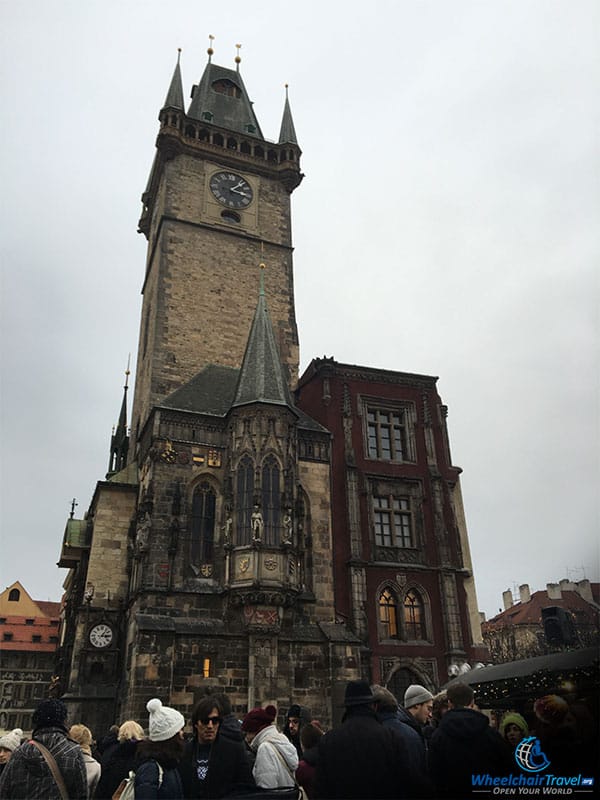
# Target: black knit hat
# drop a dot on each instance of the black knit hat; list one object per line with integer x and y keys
{"x": 358, "y": 693}
{"x": 294, "y": 711}
{"x": 49, "y": 713}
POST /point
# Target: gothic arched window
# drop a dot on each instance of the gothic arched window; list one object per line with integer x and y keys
{"x": 244, "y": 499}
{"x": 271, "y": 500}
{"x": 388, "y": 614}
{"x": 414, "y": 616}
{"x": 14, "y": 595}
{"x": 203, "y": 524}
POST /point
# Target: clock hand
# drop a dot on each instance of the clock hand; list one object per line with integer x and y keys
{"x": 235, "y": 190}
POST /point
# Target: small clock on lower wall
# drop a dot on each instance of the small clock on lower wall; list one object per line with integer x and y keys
{"x": 101, "y": 636}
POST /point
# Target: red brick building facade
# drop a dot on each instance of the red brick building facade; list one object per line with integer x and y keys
{"x": 402, "y": 569}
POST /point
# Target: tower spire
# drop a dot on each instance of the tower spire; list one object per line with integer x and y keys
{"x": 119, "y": 441}
{"x": 262, "y": 377}
{"x": 287, "y": 133}
{"x": 174, "y": 98}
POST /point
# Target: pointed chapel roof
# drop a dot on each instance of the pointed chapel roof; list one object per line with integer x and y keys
{"x": 287, "y": 132}
{"x": 174, "y": 98}
{"x": 262, "y": 377}
{"x": 221, "y": 99}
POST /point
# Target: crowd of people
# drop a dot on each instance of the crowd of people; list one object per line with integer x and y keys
{"x": 429, "y": 747}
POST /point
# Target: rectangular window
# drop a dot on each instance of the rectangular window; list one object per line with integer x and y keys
{"x": 36, "y": 638}
{"x": 387, "y": 438}
{"x": 206, "y": 667}
{"x": 7, "y": 637}
{"x": 29, "y": 621}
{"x": 393, "y": 522}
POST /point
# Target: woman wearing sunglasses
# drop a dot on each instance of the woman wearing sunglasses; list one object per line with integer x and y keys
{"x": 213, "y": 766}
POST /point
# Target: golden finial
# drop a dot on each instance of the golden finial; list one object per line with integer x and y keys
{"x": 210, "y": 50}
{"x": 237, "y": 58}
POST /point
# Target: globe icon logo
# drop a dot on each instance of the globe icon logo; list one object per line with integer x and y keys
{"x": 530, "y": 756}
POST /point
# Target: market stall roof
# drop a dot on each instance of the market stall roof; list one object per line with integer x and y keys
{"x": 503, "y": 685}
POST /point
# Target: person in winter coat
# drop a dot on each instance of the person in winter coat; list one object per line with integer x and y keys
{"x": 83, "y": 737}
{"x": 307, "y": 766}
{"x": 464, "y": 744}
{"x": 214, "y": 763}
{"x": 296, "y": 717}
{"x": 362, "y": 759}
{"x": 8, "y": 744}
{"x": 157, "y": 774}
{"x": 276, "y": 757}
{"x": 27, "y": 774}
{"x": 390, "y": 716}
{"x": 119, "y": 760}
{"x": 513, "y": 728}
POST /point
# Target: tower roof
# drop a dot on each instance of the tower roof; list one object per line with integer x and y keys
{"x": 262, "y": 376}
{"x": 287, "y": 132}
{"x": 174, "y": 98}
{"x": 221, "y": 99}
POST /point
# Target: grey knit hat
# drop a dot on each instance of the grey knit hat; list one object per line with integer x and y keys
{"x": 415, "y": 695}
{"x": 10, "y": 741}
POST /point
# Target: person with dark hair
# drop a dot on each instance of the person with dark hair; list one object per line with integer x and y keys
{"x": 464, "y": 744}
{"x": 296, "y": 717}
{"x": 157, "y": 774}
{"x": 276, "y": 757}
{"x": 214, "y": 764}
{"x": 307, "y": 767}
{"x": 29, "y": 773}
{"x": 362, "y": 759}
{"x": 388, "y": 714}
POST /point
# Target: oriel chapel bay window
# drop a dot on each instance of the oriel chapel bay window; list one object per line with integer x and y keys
{"x": 392, "y": 517}
{"x": 387, "y": 434}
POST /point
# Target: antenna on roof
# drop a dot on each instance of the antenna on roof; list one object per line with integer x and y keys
{"x": 210, "y": 50}
{"x": 238, "y": 58}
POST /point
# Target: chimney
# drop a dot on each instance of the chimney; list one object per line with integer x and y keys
{"x": 482, "y": 616}
{"x": 524, "y": 593}
{"x": 567, "y": 586}
{"x": 507, "y": 599}
{"x": 584, "y": 589}
{"x": 554, "y": 591}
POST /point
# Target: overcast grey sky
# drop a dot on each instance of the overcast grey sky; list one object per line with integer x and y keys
{"x": 447, "y": 225}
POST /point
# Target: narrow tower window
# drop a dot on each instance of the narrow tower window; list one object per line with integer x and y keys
{"x": 203, "y": 524}
{"x": 271, "y": 500}
{"x": 245, "y": 493}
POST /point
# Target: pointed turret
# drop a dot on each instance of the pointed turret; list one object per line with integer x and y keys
{"x": 221, "y": 99}
{"x": 119, "y": 441}
{"x": 287, "y": 134}
{"x": 174, "y": 98}
{"x": 262, "y": 376}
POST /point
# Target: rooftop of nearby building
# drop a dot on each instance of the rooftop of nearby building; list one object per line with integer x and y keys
{"x": 27, "y": 624}
{"x": 581, "y": 599}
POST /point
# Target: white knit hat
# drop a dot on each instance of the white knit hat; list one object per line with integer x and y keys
{"x": 10, "y": 741}
{"x": 415, "y": 695}
{"x": 164, "y": 721}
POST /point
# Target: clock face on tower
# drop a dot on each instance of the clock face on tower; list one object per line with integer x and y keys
{"x": 101, "y": 635}
{"x": 231, "y": 190}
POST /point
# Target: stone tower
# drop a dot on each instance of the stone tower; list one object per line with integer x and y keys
{"x": 217, "y": 204}
{"x": 205, "y": 559}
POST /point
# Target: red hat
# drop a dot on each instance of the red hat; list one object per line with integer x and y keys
{"x": 259, "y": 718}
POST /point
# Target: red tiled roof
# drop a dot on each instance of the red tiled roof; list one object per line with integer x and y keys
{"x": 531, "y": 613}
{"x": 49, "y": 608}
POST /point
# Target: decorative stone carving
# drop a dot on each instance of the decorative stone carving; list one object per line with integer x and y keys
{"x": 257, "y": 523}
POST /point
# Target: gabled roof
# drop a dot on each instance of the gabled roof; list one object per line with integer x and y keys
{"x": 211, "y": 392}
{"x": 530, "y": 613}
{"x": 221, "y": 99}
